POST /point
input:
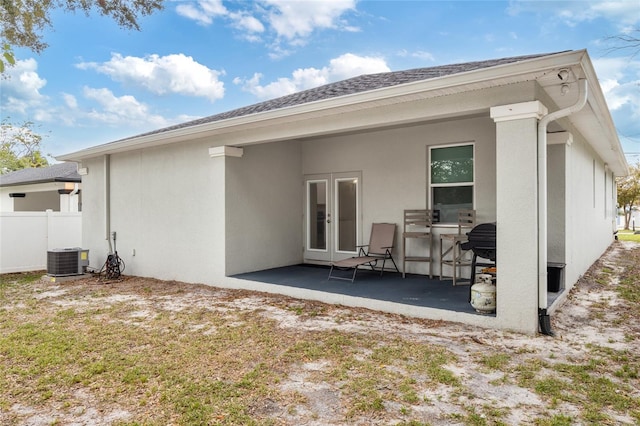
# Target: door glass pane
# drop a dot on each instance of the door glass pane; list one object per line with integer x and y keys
{"x": 317, "y": 197}
{"x": 450, "y": 199}
{"x": 347, "y": 191}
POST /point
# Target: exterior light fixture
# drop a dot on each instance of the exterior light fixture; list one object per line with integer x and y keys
{"x": 563, "y": 74}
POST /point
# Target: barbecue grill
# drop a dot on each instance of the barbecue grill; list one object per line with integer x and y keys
{"x": 482, "y": 241}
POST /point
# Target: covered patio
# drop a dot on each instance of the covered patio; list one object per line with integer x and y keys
{"x": 414, "y": 290}
{"x": 526, "y": 142}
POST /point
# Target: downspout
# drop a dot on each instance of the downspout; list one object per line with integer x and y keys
{"x": 107, "y": 199}
{"x": 543, "y": 316}
{"x": 70, "y": 204}
{"x": 76, "y": 188}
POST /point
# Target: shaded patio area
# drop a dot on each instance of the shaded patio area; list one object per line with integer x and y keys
{"x": 417, "y": 290}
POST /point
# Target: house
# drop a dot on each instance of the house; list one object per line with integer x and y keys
{"x": 234, "y": 192}
{"x": 55, "y": 188}
{"x": 40, "y": 210}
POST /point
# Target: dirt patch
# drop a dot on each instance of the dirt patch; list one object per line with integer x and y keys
{"x": 496, "y": 377}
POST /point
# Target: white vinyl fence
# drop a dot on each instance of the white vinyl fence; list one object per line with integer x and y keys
{"x": 25, "y": 238}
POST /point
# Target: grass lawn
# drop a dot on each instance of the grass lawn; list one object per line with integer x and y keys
{"x": 628, "y": 235}
{"x": 146, "y": 352}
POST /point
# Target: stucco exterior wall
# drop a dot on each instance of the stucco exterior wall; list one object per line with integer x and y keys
{"x": 557, "y": 202}
{"x": 591, "y": 213}
{"x": 167, "y": 209}
{"x": 93, "y": 220}
{"x": 517, "y": 227}
{"x": 394, "y": 170}
{"x": 38, "y": 201}
{"x": 168, "y": 206}
{"x": 264, "y": 202}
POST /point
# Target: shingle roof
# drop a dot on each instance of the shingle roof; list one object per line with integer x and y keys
{"x": 350, "y": 86}
{"x": 62, "y": 172}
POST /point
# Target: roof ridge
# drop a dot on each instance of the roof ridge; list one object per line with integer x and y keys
{"x": 357, "y": 84}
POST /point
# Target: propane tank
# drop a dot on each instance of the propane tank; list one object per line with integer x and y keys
{"x": 483, "y": 294}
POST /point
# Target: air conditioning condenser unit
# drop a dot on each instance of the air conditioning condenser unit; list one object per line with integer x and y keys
{"x": 67, "y": 261}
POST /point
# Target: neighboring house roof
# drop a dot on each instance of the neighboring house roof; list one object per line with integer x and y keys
{"x": 62, "y": 172}
{"x": 362, "y": 83}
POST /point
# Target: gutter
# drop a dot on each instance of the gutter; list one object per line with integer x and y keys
{"x": 360, "y": 100}
{"x": 543, "y": 316}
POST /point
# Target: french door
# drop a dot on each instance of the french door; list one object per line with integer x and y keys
{"x": 332, "y": 216}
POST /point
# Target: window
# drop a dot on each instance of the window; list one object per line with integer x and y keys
{"x": 451, "y": 180}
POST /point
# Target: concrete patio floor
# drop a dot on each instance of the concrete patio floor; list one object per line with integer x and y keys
{"x": 417, "y": 290}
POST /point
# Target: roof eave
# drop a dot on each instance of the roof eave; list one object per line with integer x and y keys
{"x": 599, "y": 103}
{"x": 36, "y": 182}
{"x": 360, "y": 100}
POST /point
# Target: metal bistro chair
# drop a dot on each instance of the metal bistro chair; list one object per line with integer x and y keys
{"x": 454, "y": 255}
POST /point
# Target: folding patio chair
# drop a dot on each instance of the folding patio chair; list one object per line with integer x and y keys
{"x": 379, "y": 248}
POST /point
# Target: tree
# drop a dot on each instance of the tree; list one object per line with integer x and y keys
{"x": 23, "y": 21}
{"x": 629, "y": 192}
{"x": 626, "y": 41}
{"x": 20, "y": 147}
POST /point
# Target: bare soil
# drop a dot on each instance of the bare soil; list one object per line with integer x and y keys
{"x": 594, "y": 317}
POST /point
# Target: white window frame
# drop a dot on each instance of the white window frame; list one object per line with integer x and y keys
{"x": 432, "y": 185}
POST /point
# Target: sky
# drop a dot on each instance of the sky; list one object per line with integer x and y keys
{"x": 98, "y": 83}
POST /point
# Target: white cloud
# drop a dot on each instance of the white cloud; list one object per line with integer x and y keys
{"x": 291, "y": 22}
{"x": 21, "y": 87}
{"x": 21, "y": 99}
{"x": 298, "y": 19}
{"x": 350, "y": 65}
{"x": 340, "y": 68}
{"x": 122, "y": 110}
{"x": 623, "y": 13}
{"x": 620, "y": 79}
{"x": 245, "y": 22}
{"x": 204, "y": 13}
{"x": 162, "y": 75}
{"x": 70, "y": 101}
{"x": 419, "y": 54}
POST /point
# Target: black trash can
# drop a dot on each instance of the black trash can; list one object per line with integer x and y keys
{"x": 555, "y": 283}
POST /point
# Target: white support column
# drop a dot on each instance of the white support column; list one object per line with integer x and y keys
{"x": 64, "y": 203}
{"x": 74, "y": 201}
{"x": 6, "y": 202}
{"x": 517, "y": 214}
